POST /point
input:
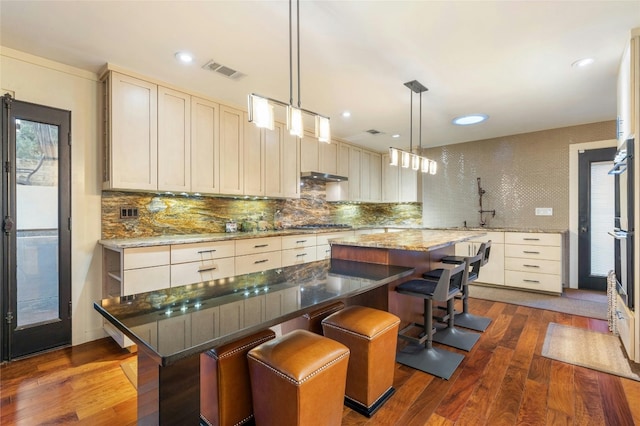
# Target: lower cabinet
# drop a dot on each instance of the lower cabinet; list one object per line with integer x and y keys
{"x": 493, "y": 271}
{"x": 534, "y": 261}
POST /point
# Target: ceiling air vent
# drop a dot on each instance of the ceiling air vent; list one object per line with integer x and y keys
{"x": 373, "y": 131}
{"x": 222, "y": 70}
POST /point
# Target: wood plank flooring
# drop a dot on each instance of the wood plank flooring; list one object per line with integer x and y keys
{"x": 504, "y": 380}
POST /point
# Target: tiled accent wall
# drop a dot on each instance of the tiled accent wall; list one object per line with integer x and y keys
{"x": 518, "y": 173}
{"x": 161, "y": 214}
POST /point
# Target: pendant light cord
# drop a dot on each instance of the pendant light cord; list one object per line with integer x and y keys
{"x": 410, "y": 120}
{"x": 298, "y": 45}
{"x": 290, "y": 57}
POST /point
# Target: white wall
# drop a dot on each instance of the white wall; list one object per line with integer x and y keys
{"x": 37, "y": 80}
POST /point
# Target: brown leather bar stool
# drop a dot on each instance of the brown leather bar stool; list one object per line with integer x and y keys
{"x": 225, "y": 387}
{"x": 314, "y": 318}
{"x": 372, "y": 336}
{"x": 298, "y": 379}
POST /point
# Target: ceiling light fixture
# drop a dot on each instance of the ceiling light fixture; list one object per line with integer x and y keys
{"x": 346, "y": 114}
{"x": 408, "y": 158}
{"x": 261, "y": 107}
{"x": 184, "y": 57}
{"x": 467, "y": 120}
{"x": 581, "y": 63}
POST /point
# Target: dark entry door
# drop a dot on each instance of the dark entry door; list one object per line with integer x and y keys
{"x": 36, "y": 235}
{"x": 596, "y": 199}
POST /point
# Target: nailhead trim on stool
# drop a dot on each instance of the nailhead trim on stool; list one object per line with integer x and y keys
{"x": 298, "y": 379}
{"x": 372, "y": 336}
{"x": 225, "y": 387}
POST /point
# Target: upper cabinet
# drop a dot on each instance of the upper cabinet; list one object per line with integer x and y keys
{"x": 205, "y": 146}
{"x": 328, "y": 158}
{"x": 399, "y": 185}
{"x": 363, "y": 168}
{"x": 316, "y": 156}
{"x": 231, "y": 151}
{"x": 174, "y": 140}
{"x": 131, "y": 133}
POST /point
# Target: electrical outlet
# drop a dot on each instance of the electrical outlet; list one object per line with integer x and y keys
{"x": 544, "y": 211}
{"x": 128, "y": 212}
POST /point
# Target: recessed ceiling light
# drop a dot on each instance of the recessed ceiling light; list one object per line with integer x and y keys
{"x": 184, "y": 57}
{"x": 346, "y": 114}
{"x": 396, "y": 136}
{"x": 581, "y": 63}
{"x": 467, "y": 120}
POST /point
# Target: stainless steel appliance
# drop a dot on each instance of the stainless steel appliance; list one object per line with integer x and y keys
{"x": 623, "y": 223}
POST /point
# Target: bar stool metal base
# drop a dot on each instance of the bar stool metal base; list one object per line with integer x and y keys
{"x": 472, "y": 322}
{"x": 369, "y": 411}
{"x": 435, "y": 361}
{"x": 455, "y": 338}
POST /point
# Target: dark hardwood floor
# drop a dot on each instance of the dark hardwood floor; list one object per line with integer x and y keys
{"x": 504, "y": 380}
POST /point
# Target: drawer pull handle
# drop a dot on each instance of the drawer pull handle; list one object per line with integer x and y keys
{"x": 531, "y": 239}
{"x": 619, "y": 315}
{"x": 261, "y": 245}
{"x": 207, "y": 251}
{"x": 532, "y": 281}
{"x": 261, "y": 261}
{"x": 301, "y": 255}
{"x": 531, "y": 252}
{"x": 531, "y": 266}
{"x": 301, "y": 241}
{"x": 213, "y": 268}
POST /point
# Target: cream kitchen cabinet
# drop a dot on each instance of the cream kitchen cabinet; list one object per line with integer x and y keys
{"x": 280, "y": 302}
{"x": 205, "y": 146}
{"x": 242, "y": 313}
{"x": 145, "y": 269}
{"x": 289, "y": 166}
{"x": 371, "y": 176}
{"x": 323, "y": 248}
{"x": 131, "y": 133}
{"x": 174, "y": 140}
{"x": 231, "y": 151}
{"x": 364, "y": 170}
{"x": 534, "y": 261}
{"x": 398, "y": 184}
{"x": 316, "y": 156}
{"x": 298, "y": 249}
{"x": 254, "y": 159}
{"x": 328, "y": 158}
{"x": 493, "y": 271}
{"x": 197, "y": 262}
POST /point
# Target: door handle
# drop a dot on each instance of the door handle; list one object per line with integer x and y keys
{"x": 583, "y": 229}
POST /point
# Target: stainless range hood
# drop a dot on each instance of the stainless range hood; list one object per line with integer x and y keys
{"x": 323, "y": 177}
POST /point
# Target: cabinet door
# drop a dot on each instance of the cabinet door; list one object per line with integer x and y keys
{"x": 274, "y": 156}
{"x": 174, "y": 334}
{"x": 375, "y": 177}
{"x": 205, "y": 146}
{"x": 231, "y": 317}
{"x": 355, "y": 161}
{"x": 408, "y": 185}
{"x": 174, "y": 140}
{"x": 254, "y": 158}
{"x": 205, "y": 325}
{"x": 365, "y": 175}
{"x": 493, "y": 271}
{"x": 309, "y": 153}
{"x": 339, "y": 191}
{"x": 290, "y": 165}
{"x": 133, "y": 149}
{"x": 231, "y": 151}
{"x": 328, "y": 158}
{"x": 390, "y": 181}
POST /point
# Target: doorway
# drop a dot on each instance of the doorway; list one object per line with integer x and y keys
{"x": 595, "y": 218}
{"x": 36, "y": 234}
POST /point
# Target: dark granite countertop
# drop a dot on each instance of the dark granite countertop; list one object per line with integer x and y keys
{"x": 312, "y": 285}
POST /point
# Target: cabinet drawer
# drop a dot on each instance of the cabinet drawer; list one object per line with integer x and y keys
{"x": 323, "y": 252}
{"x": 323, "y": 238}
{"x": 258, "y": 262}
{"x": 298, "y": 241}
{"x": 533, "y": 239}
{"x": 144, "y": 257}
{"x": 146, "y": 279}
{"x": 181, "y": 253}
{"x": 195, "y": 272}
{"x": 626, "y": 327}
{"x": 298, "y": 256}
{"x": 494, "y": 236}
{"x": 258, "y": 245}
{"x": 533, "y": 281}
{"x": 533, "y": 265}
{"x": 533, "y": 252}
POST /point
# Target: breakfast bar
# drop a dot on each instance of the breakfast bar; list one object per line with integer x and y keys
{"x": 173, "y": 326}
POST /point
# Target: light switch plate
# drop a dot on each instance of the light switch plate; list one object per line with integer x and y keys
{"x": 544, "y": 211}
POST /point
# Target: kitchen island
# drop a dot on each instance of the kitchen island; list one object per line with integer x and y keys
{"x": 417, "y": 249}
{"x": 173, "y": 326}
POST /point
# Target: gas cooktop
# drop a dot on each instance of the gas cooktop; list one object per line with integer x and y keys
{"x": 323, "y": 226}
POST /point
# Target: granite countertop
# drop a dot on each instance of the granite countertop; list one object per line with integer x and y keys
{"x": 412, "y": 240}
{"x": 313, "y": 284}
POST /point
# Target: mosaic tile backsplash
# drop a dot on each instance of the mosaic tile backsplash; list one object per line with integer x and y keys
{"x": 160, "y": 214}
{"x": 518, "y": 173}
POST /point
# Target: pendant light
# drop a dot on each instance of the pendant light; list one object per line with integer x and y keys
{"x": 261, "y": 107}
{"x": 406, "y": 159}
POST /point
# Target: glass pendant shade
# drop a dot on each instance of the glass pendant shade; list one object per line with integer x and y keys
{"x": 433, "y": 168}
{"x": 294, "y": 121}
{"x": 323, "y": 129}
{"x": 406, "y": 159}
{"x": 393, "y": 157}
{"x": 425, "y": 165}
{"x": 415, "y": 162}
{"x": 261, "y": 112}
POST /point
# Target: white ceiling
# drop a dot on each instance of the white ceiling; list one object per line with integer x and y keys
{"x": 508, "y": 59}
